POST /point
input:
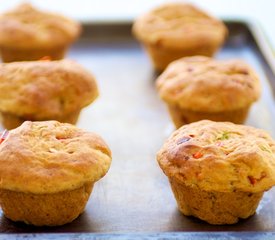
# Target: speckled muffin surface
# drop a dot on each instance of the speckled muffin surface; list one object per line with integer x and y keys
{"x": 50, "y": 157}
{"x": 206, "y": 85}
{"x": 42, "y": 90}
{"x": 179, "y": 25}
{"x": 220, "y": 157}
{"x": 27, "y": 27}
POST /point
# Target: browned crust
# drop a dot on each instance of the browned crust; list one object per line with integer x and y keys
{"x": 48, "y": 157}
{"x": 220, "y": 156}
{"x": 26, "y": 27}
{"x": 179, "y": 25}
{"x": 206, "y": 85}
{"x": 41, "y": 90}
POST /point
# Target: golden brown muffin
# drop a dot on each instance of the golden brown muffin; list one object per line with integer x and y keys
{"x": 47, "y": 171}
{"x": 218, "y": 171}
{"x": 198, "y": 87}
{"x": 44, "y": 90}
{"x": 30, "y": 34}
{"x": 176, "y": 30}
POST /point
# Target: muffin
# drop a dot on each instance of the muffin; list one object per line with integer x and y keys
{"x": 218, "y": 171}
{"x": 47, "y": 172}
{"x": 197, "y": 88}
{"x": 175, "y": 30}
{"x": 30, "y": 34}
{"x": 44, "y": 90}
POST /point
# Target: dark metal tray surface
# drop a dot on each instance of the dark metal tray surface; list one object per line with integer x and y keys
{"x": 134, "y": 199}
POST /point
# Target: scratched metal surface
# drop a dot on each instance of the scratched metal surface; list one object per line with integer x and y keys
{"x": 135, "y": 196}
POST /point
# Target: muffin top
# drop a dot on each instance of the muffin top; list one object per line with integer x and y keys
{"x": 27, "y": 27}
{"x": 49, "y": 157}
{"x": 179, "y": 25}
{"x": 45, "y": 89}
{"x": 220, "y": 156}
{"x": 203, "y": 84}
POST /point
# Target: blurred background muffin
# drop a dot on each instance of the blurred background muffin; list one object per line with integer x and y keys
{"x": 30, "y": 34}
{"x": 44, "y": 90}
{"x": 198, "y": 87}
{"x": 176, "y": 30}
{"x": 47, "y": 172}
{"x": 218, "y": 171}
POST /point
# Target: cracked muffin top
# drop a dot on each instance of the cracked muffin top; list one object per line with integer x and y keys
{"x": 27, "y": 27}
{"x": 179, "y": 25}
{"x": 45, "y": 89}
{"x": 204, "y": 84}
{"x": 49, "y": 157}
{"x": 220, "y": 156}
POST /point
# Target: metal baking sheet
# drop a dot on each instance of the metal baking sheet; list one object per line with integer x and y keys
{"x": 134, "y": 199}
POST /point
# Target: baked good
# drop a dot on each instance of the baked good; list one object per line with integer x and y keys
{"x": 176, "y": 30}
{"x": 198, "y": 87}
{"x": 27, "y": 33}
{"x": 218, "y": 171}
{"x": 44, "y": 90}
{"x": 47, "y": 172}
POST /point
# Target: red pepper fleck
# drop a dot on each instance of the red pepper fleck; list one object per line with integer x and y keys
{"x": 45, "y": 58}
{"x": 197, "y": 155}
{"x": 255, "y": 180}
{"x": 4, "y": 135}
{"x": 252, "y": 180}
{"x": 191, "y": 135}
{"x": 60, "y": 138}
